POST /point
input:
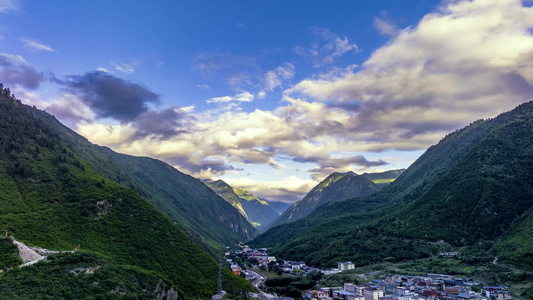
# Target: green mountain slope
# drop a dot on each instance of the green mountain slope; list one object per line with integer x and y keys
{"x": 207, "y": 218}
{"x": 225, "y": 191}
{"x": 258, "y": 211}
{"x": 51, "y": 197}
{"x": 409, "y": 185}
{"x": 484, "y": 192}
{"x": 475, "y": 184}
{"x": 188, "y": 200}
{"x": 281, "y": 207}
{"x": 336, "y": 187}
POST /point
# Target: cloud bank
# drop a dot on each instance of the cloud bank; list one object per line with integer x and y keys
{"x": 464, "y": 61}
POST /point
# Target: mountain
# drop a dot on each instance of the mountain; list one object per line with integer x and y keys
{"x": 474, "y": 186}
{"x": 53, "y": 198}
{"x": 410, "y": 185}
{"x": 225, "y": 191}
{"x": 336, "y": 187}
{"x": 281, "y": 207}
{"x": 207, "y": 218}
{"x": 258, "y": 212}
{"x": 484, "y": 192}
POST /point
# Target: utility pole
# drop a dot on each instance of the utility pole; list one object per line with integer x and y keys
{"x": 219, "y": 289}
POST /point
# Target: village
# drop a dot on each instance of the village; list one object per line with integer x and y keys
{"x": 387, "y": 287}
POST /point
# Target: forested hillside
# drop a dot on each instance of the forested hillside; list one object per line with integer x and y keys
{"x": 207, "y": 218}
{"x": 337, "y": 187}
{"x": 225, "y": 191}
{"x": 258, "y": 212}
{"x": 51, "y": 197}
{"x": 474, "y": 185}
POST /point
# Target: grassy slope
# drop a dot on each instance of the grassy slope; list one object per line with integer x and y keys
{"x": 52, "y": 198}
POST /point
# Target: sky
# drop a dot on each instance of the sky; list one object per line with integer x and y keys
{"x": 270, "y": 96}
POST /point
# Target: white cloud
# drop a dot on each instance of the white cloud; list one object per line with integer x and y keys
{"x": 384, "y": 26}
{"x": 125, "y": 68}
{"x": 288, "y": 189}
{"x": 336, "y": 46}
{"x": 101, "y": 69}
{"x": 242, "y": 97}
{"x": 468, "y": 60}
{"x": 8, "y": 5}
{"x": 203, "y": 87}
{"x": 33, "y": 44}
{"x": 274, "y": 78}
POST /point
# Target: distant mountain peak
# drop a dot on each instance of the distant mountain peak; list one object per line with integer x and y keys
{"x": 258, "y": 211}
{"x": 336, "y": 187}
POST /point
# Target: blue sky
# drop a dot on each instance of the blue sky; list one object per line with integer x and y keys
{"x": 271, "y": 96}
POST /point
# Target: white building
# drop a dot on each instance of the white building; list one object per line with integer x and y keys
{"x": 372, "y": 294}
{"x": 342, "y": 266}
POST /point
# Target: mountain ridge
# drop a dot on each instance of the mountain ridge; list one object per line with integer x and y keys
{"x": 175, "y": 193}
{"x": 474, "y": 184}
{"x": 51, "y": 197}
{"x": 258, "y": 212}
{"x": 336, "y": 187}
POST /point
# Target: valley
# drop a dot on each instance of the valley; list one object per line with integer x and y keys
{"x": 394, "y": 222}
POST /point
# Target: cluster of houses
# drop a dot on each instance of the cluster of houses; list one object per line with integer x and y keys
{"x": 393, "y": 287}
{"x": 432, "y": 286}
{"x": 260, "y": 255}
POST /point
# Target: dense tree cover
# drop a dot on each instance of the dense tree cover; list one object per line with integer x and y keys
{"x": 476, "y": 184}
{"x": 9, "y": 257}
{"x": 483, "y": 193}
{"x": 54, "y": 199}
{"x": 82, "y": 276}
{"x": 187, "y": 200}
{"x": 516, "y": 245}
{"x": 292, "y": 286}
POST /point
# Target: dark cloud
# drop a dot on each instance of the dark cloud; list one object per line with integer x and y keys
{"x": 164, "y": 123}
{"x": 218, "y": 167}
{"x": 110, "y": 96}
{"x": 14, "y": 70}
{"x": 341, "y": 162}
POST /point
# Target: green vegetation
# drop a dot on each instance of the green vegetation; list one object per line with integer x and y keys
{"x": 266, "y": 273}
{"x": 336, "y": 187}
{"x": 383, "y": 180}
{"x": 53, "y": 198}
{"x": 259, "y": 213}
{"x": 472, "y": 187}
{"x": 187, "y": 200}
{"x": 292, "y": 286}
{"x": 82, "y": 276}
{"x": 225, "y": 191}
{"x": 9, "y": 257}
